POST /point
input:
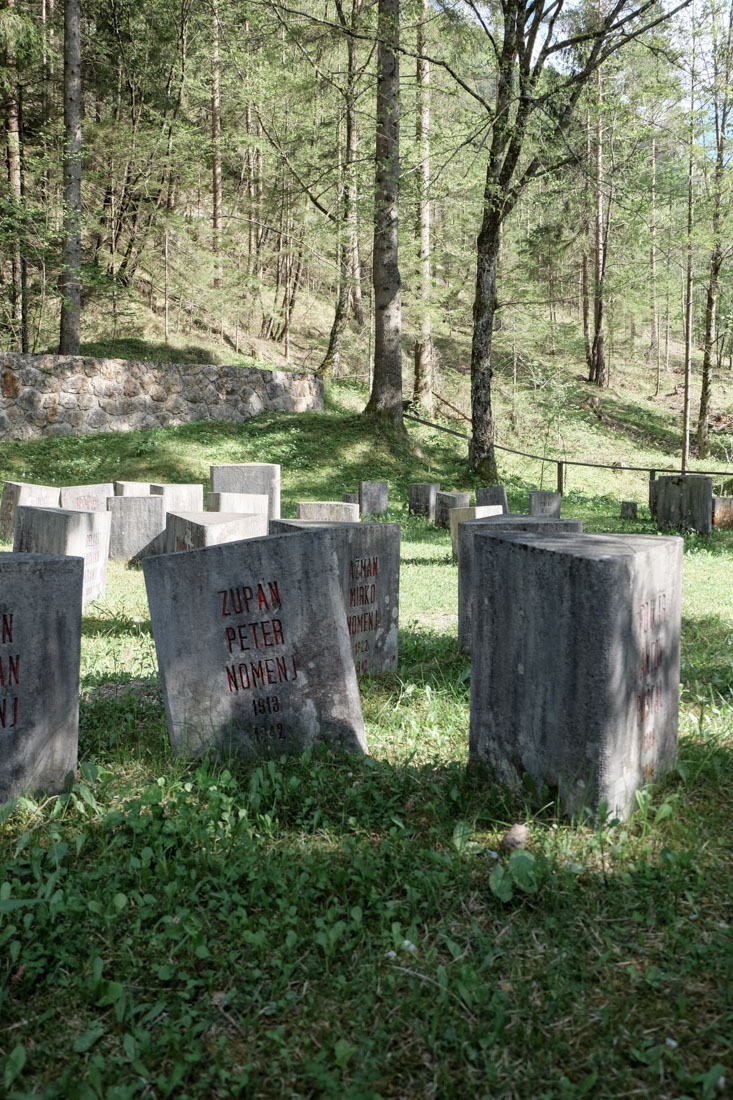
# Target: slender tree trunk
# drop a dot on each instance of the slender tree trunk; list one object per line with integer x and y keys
{"x": 352, "y": 156}
{"x": 70, "y": 282}
{"x": 689, "y": 286}
{"x": 482, "y": 456}
{"x": 216, "y": 194}
{"x": 424, "y": 352}
{"x": 12, "y": 122}
{"x": 654, "y": 352}
{"x": 598, "y": 364}
{"x": 386, "y": 394}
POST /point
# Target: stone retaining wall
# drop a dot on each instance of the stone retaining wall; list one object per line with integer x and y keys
{"x": 64, "y": 394}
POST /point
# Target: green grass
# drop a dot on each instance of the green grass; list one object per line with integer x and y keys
{"x": 337, "y": 927}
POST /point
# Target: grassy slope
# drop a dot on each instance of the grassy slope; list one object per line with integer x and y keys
{"x": 327, "y": 926}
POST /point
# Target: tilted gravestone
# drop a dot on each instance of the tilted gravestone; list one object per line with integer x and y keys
{"x": 327, "y": 511}
{"x": 685, "y": 503}
{"x": 576, "y": 649}
{"x": 193, "y": 530}
{"x": 253, "y": 651}
{"x": 722, "y": 512}
{"x": 249, "y": 477}
{"x": 40, "y": 642}
{"x": 57, "y": 531}
{"x": 443, "y": 504}
{"x": 137, "y": 522}
{"x": 544, "y": 503}
{"x": 462, "y": 515}
{"x": 493, "y": 494}
{"x": 244, "y": 503}
{"x": 87, "y": 498}
{"x": 368, "y": 557}
{"x": 421, "y": 498}
{"x": 373, "y": 497}
{"x": 21, "y": 492}
{"x": 132, "y": 488}
{"x": 179, "y": 498}
{"x": 497, "y": 524}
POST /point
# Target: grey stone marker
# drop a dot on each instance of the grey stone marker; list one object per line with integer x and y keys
{"x": 244, "y": 503}
{"x": 136, "y": 524}
{"x": 132, "y": 488}
{"x": 685, "y": 502}
{"x": 252, "y": 648}
{"x": 443, "y": 504}
{"x": 193, "y": 530}
{"x": 368, "y": 557}
{"x": 629, "y": 509}
{"x": 544, "y": 503}
{"x": 493, "y": 494}
{"x": 421, "y": 498}
{"x": 497, "y": 525}
{"x": 462, "y": 515}
{"x": 249, "y": 477}
{"x": 350, "y": 498}
{"x": 653, "y": 487}
{"x": 87, "y": 498}
{"x": 576, "y": 648}
{"x": 329, "y": 511}
{"x": 21, "y": 492}
{"x": 40, "y": 642}
{"x": 180, "y": 498}
{"x": 373, "y": 496}
{"x": 58, "y": 531}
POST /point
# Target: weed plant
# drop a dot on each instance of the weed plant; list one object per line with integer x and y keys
{"x": 349, "y": 927}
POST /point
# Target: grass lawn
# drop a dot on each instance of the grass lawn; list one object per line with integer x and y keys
{"x": 331, "y": 926}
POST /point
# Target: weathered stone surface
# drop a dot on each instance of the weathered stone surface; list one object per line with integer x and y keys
{"x": 249, "y": 477}
{"x": 653, "y": 487}
{"x": 21, "y": 492}
{"x": 193, "y": 530}
{"x": 329, "y": 511}
{"x": 373, "y": 497}
{"x": 350, "y": 498}
{"x": 462, "y": 515}
{"x": 493, "y": 494}
{"x": 40, "y": 641}
{"x": 629, "y": 509}
{"x": 685, "y": 503}
{"x": 253, "y": 652}
{"x": 244, "y": 503}
{"x": 421, "y": 498}
{"x": 722, "y": 512}
{"x": 368, "y": 557}
{"x": 87, "y": 498}
{"x": 103, "y": 395}
{"x": 576, "y": 650}
{"x": 544, "y": 503}
{"x": 132, "y": 488}
{"x": 136, "y": 523}
{"x": 496, "y": 524}
{"x": 180, "y": 498}
{"x": 443, "y": 504}
{"x": 57, "y": 531}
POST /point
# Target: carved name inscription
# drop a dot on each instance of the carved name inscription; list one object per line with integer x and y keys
{"x": 651, "y": 616}
{"x": 257, "y": 654}
{"x": 363, "y": 616}
{"x": 9, "y": 673}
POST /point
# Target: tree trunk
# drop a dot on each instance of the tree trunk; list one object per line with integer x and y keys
{"x": 598, "y": 363}
{"x": 352, "y": 154}
{"x": 689, "y": 288}
{"x": 70, "y": 281}
{"x": 481, "y": 453}
{"x": 654, "y": 351}
{"x": 424, "y": 354}
{"x": 386, "y": 395}
{"x": 12, "y": 122}
{"x": 216, "y": 148}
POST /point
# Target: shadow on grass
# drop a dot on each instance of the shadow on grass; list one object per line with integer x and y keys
{"x": 707, "y": 658}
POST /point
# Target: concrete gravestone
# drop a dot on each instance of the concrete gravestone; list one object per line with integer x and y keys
{"x": 685, "y": 502}
{"x": 20, "y": 492}
{"x": 576, "y": 647}
{"x": 87, "y": 498}
{"x": 328, "y": 511}
{"x": 368, "y": 557}
{"x": 58, "y": 531}
{"x": 629, "y": 509}
{"x": 244, "y": 503}
{"x": 443, "y": 504}
{"x": 40, "y": 641}
{"x": 373, "y": 497}
{"x": 462, "y": 515}
{"x": 421, "y": 498}
{"x": 132, "y": 488}
{"x": 544, "y": 503}
{"x": 722, "y": 512}
{"x": 466, "y": 543}
{"x": 136, "y": 524}
{"x": 249, "y": 477}
{"x": 252, "y": 648}
{"x": 350, "y": 498}
{"x": 493, "y": 494}
{"x": 193, "y": 530}
{"x": 179, "y": 498}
